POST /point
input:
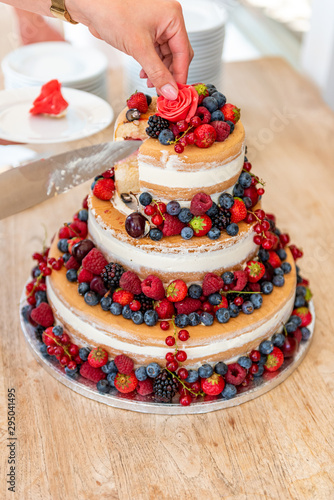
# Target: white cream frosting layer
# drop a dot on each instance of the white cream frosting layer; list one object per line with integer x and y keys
{"x": 170, "y": 259}
{"x": 96, "y": 336}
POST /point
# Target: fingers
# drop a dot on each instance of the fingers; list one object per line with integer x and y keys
{"x": 182, "y": 54}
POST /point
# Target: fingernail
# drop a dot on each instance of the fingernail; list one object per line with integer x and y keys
{"x": 169, "y": 92}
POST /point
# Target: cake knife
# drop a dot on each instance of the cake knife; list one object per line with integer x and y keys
{"x": 26, "y": 186}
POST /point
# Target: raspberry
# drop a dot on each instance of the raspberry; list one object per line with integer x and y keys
{"x": 188, "y": 305}
{"x": 91, "y": 373}
{"x": 72, "y": 263}
{"x": 200, "y": 204}
{"x": 211, "y": 284}
{"x": 204, "y": 114}
{"x": 205, "y": 136}
{"x": 165, "y": 309}
{"x": 241, "y": 278}
{"x": 145, "y": 387}
{"x": 238, "y": 211}
{"x": 222, "y": 130}
{"x": 43, "y": 315}
{"x": 138, "y": 101}
{"x": 236, "y": 374}
{"x": 124, "y": 364}
{"x": 94, "y": 261}
{"x": 130, "y": 281}
{"x": 80, "y": 228}
{"x": 172, "y": 225}
{"x": 153, "y": 288}
{"x": 104, "y": 189}
{"x": 254, "y": 287}
{"x": 84, "y": 276}
{"x": 64, "y": 233}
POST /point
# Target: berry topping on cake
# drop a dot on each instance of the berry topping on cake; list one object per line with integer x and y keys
{"x": 200, "y": 204}
{"x": 274, "y": 360}
{"x": 131, "y": 282}
{"x": 111, "y": 274}
{"x": 125, "y": 383}
{"x": 255, "y": 270}
{"x": 238, "y": 211}
{"x": 145, "y": 387}
{"x": 153, "y": 288}
{"x": 205, "y": 136}
{"x": 42, "y": 315}
{"x": 274, "y": 259}
{"x": 201, "y": 225}
{"x": 135, "y": 225}
{"x": 72, "y": 263}
{"x": 122, "y": 297}
{"x": 236, "y": 374}
{"x": 85, "y": 276}
{"x": 98, "y": 357}
{"x": 188, "y": 305}
{"x": 222, "y": 129}
{"x": 91, "y": 373}
{"x": 104, "y": 189}
{"x": 241, "y": 278}
{"x": 94, "y": 261}
{"x": 213, "y": 385}
{"x": 204, "y": 114}
{"x": 165, "y": 309}
{"x": 138, "y": 101}
{"x": 202, "y": 91}
{"x": 165, "y": 387}
{"x": 176, "y": 291}
{"x": 124, "y": 364}
{"x": 172, "y": 225}
{"x": 211, "y": 284}
{"x": 155, "y": 125}
{"x": 231, "y": 113}
{"x": 304, "y": 314}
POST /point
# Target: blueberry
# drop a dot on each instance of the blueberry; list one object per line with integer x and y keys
{"x": 229, "y": 391}
{"x": 217, "y": 116}
{"x": 106, "y": 303}
{"x": 58, "y": 330}
{"x": 232, "y": 229}
{"x": 181, "y": 320}
{"x": 286, "y": 267}
{"x": 35, "y": 272}
{"x": 221, "y": 368}
{"x": 145, "y": 199}
{"x": 301, "y": 290}
{"x": 277, "y": 231}
{"x": 39, "y": 329}
{"x": 153, "y": 370}
{"x": 62, "y": 245}
{"x": 215, "y": 299}
{"x": 263, "y": 255}
{"x": 66, "y": 257}
{"x": 84, "y": 353}
{"x": 222, "y": 315}
{"x": 278, "y": 339}
{"x": 245, "y": 362}
{"x": 291, "y": 327}
{"x": 103, "y": 386}
{"x": 40, "y": 297}
{"x": 141, "y": 373}
{"x": 43, "y": 350}
{"x": 187, "y": 233}
{"x": 126, "y": 312}
{"x": 228, "y": 277}
{"x": 256, "y": 299}
{"x": 213, "y": 210}
{"x": 247, "y": 201}
{"x": 220, "y": 98}
{"x": 195, "y": 291}
{"x": 166, "y": 137}
{"x": 263, "y": 359}
{"x": 267, "y": 287}
{"x": 278, "y": 280}
{"x": 83, "y": 215}
{"x": 238, "y": 191}
{"x": 278, "y": 271}
{"x": 214, "y": 233}
{"x": 211, "y": 90}
{"x": 137, "y": 317}
{"x": 110, "y": 367}
{"x": 260, "y": 371}
{"x": 192, "y": 376}
{"x": 306, "y": 333}
{"x": 71, "y": 275}
{"x": 281, "y": 253}
{"x": 91, "y": 298}
{"x": 132, "y": 114}
{"x": 83, "y": 288}
{"x": 25, "y": 311}
{"x": 245, "y": 180}
{"x": 116, "y": 309}
{"x": 226, "y": 200}
{"x": 185, "y": 215}
{"x": 210, "y": 103}
{"x": 173, "y": 208}
{"x": 151, "y": 317}
{"x": 233, "y": 310}
{"x": 297, "y": 269}
{"x": 194, "y": 319}
{"x": 247, "y": 307}
{"x": 148, "y": 99}
{"x": 266, "y": 347}
{"x": 231, "y": 124}
{"x": 111, "y": 378}
{"x": 206, "y": 318}
{"x": 155, "y": 234}
{"x": 299, "y": 279}
{"x": 296, "y": 320}
{"x": 205, "y": 371}
{"x": 71, "y": 373}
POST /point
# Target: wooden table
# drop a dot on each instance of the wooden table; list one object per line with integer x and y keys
{"x": 279, "y": 446}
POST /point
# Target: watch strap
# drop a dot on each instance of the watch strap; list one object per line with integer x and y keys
{"x": 58, "y": 9}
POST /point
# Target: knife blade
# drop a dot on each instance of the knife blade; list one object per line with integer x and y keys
{"x": 26, "y": 186}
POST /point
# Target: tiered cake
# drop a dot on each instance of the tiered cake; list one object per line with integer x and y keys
{"x": 172, "y": 271}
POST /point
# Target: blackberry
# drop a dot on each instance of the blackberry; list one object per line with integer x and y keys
{"x": 146, "y": 302}
{"x": 222, "y": 219}
{"x": 112, "y": 274}
{"x": 165, "y": 387}
{"x": 155, "y": 125}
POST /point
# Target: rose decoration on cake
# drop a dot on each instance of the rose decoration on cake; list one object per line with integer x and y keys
{"x": 182, "y": 108}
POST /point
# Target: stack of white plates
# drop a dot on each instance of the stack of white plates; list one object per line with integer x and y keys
{"x": 77, "y": 68}
{"x": 205, "y": 23}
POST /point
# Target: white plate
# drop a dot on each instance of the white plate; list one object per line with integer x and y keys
{"x": 86, "y": 115}
{"x": 203, "y": 16}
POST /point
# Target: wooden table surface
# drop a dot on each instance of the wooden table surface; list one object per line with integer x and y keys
{"x": 279, "y": 446}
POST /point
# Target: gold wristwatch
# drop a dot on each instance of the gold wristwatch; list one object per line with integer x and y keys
{"x": 59, "y": 10}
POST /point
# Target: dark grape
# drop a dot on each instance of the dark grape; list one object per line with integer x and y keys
{"x": 81, "y": 249}
{"x": 97, "y": 285}
{"x": 135, "y": 225}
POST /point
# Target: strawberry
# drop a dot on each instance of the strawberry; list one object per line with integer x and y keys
{"x": 274, "y": 360}
{"x": 238, "y": 210}
{"x": 85, "y": 276}
{"x": 138, "y": 101}
{"x": 126, "y": 383}
{"x": 72, "y": 263}
{"x": 124, "y": 364}
{"x": 211, "y": 284}
{"x": 165, "y": 309}
{"x": 241, "y": 278}
{"x": 200, "y": 204}
{"x": 176, "y": 291}
{"x": 302, "y": 312}
{"x": 188, "y": 305}
{"x": 202, "y": 92}
{"x": 255, "y": 270}
{"x": 231, "y": 113}
{"x": 222, "y": 129}
{"x": 94, "y": 261}
{"x": 172, "y": 225}
{"x": 131, "y": 282}
{"x": 98, "y": 357}
{"x": 213, "y": 385}
{"x": 42, "y": 315}
{"x": 122, "y": 297}
{"x": 236, "y": 374}
{"x": 153, "y": 288}
{"x": 145, "y": 387}
{"x": 274, "y": 259}
{"x": 205, "y": 136}
{"x": 104, "y": 189}
{"x": 91, "y": 373}
{"x": 72, "y": 242}
{"x": 201, "y": 225}
{"x": 64, "y": 233}
{"x": 223, "y": 304}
